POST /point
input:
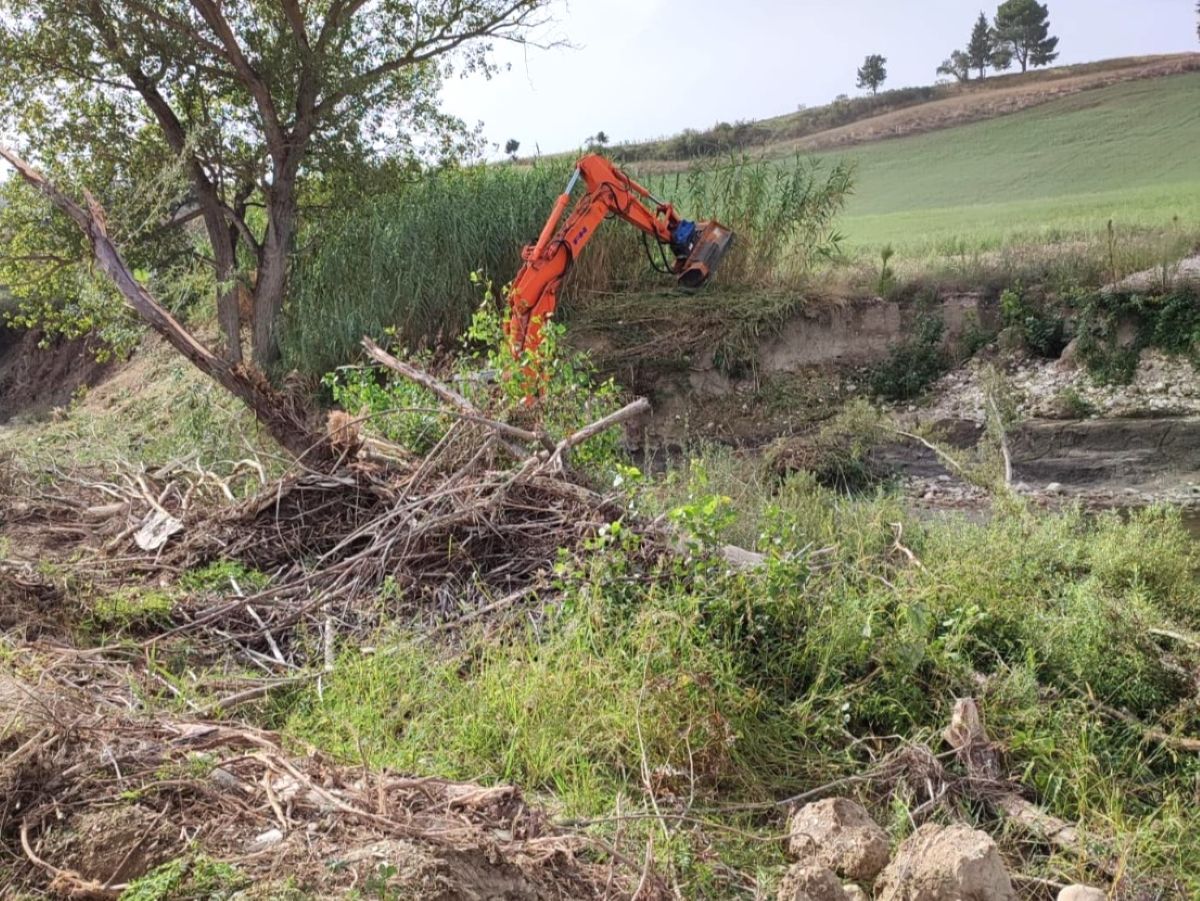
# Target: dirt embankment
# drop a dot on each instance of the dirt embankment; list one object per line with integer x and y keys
{"x": 1107, "y": 444}
{"x": 35, "y": 380}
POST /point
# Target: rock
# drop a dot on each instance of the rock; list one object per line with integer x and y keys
{"x": 268, "y": 839}
{"x": 839, "y": 834}
{"x": 854, "y": 893}
{"x": 1054, "y": 488}
{"x": 945, "y": 863}
{"x": 1082, "y": 893}
{"x": 226, "y": 780}
{"x": 1069, "y": 358}
{"x": 809, "y": 883}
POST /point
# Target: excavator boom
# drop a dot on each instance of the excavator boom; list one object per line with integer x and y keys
{"x": 697, "y": 247}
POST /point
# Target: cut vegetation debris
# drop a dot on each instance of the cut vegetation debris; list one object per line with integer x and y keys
{"x": 482, "y": 614}
{"x": 103, "y": 802}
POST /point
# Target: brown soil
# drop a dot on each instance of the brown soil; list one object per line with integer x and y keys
{"x": 35, "y": 380}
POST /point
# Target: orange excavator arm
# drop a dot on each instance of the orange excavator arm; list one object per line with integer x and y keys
{"x": 697, "y": 247}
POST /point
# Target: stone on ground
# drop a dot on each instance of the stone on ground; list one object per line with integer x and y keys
{"x": 1081, "y": 893}
{"x": 810, "y": 883}
{"x": 854, "y": 893}
{"x": 946, "y": 863}
{"x": 839, "y": 834}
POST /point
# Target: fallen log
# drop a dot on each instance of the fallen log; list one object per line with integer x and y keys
{"x": 976, "y": 751}
{"x": 283, "y": 416}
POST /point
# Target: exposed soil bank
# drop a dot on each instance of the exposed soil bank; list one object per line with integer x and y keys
{"x": 1136, "y": 443}
{"x": 35, "y": 380}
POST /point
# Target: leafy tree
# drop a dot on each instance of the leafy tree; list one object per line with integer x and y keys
{"x": 873, "y": 72}
{"x": 958, "y": 66}
{"x": 1023, "y": 30}
{"x": 597, "y": 142}
{"x": 263, "y": 108}
{"x": 511, "y": 146}
{"x": 982, "y": 45}
{"x": 1002, "y": 58}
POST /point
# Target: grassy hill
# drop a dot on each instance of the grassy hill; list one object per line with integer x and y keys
{"x": 904, "y": 111}
{"x": 1058, "y": 171}
{"x": 1044, "y": 158}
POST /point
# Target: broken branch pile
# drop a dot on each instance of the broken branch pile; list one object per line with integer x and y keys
{"x": 96, "y": 795}
{"x": 475, "y": 525}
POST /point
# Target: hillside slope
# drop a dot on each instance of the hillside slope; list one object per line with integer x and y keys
{"x": 903, "y": 111}
{"x": 1125, "y": 152}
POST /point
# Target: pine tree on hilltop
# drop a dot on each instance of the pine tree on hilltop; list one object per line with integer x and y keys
{"x": 1023, "y": 32}
{"x": 982, "y": 46}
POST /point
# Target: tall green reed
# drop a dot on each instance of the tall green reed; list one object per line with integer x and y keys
{"x": 402, "y": 263}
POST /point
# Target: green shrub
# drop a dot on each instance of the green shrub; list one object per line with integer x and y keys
{"x": 570, "y": 395}
{"x": 1070, "y": 404}
{"x": 1169, "y": 322}
{"x": 185, "y": 878}
{"x": 914, "y": 365}
{"x": 134, "y": 609}
{"x": 1041, "y": 329}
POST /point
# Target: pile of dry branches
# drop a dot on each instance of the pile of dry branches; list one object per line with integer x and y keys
{"x": 472, "y": 528}
{"x": 95, "y": 794}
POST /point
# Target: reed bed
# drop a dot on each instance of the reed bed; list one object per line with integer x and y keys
{"x": 402, "y": 263}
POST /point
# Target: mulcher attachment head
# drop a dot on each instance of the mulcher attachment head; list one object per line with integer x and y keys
{"x": 709, "y": 243}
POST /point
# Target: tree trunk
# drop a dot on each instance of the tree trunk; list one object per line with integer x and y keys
{"x": 223, "y": 245}
{"x": 273, "y": 272}
{"x": 282, "y": 415}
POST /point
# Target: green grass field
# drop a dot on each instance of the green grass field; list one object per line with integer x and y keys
{"x": 1054, "y": 173}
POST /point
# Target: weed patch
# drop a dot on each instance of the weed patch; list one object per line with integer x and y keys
{"x": 186, "y": 878}
{"x": 1114, "y": 329}
{"x": 913, "y": 365}
{"x": 746, "y": 686}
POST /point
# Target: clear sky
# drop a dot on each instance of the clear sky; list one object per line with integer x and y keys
{"x": 641, "y": 69}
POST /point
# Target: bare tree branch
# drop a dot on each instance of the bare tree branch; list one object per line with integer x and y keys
{"x": 443, "y": 41}
{"x": 295, "y": 18}
{"x": 184, "y": 29}
{"x": 275, "y": 410}
{"x": 338, "y": 12}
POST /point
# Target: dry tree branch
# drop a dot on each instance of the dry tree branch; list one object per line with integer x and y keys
{"x": 245, "y": 383}
{"x": 627, "y": 412}
{"x": 967, "y": 735}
